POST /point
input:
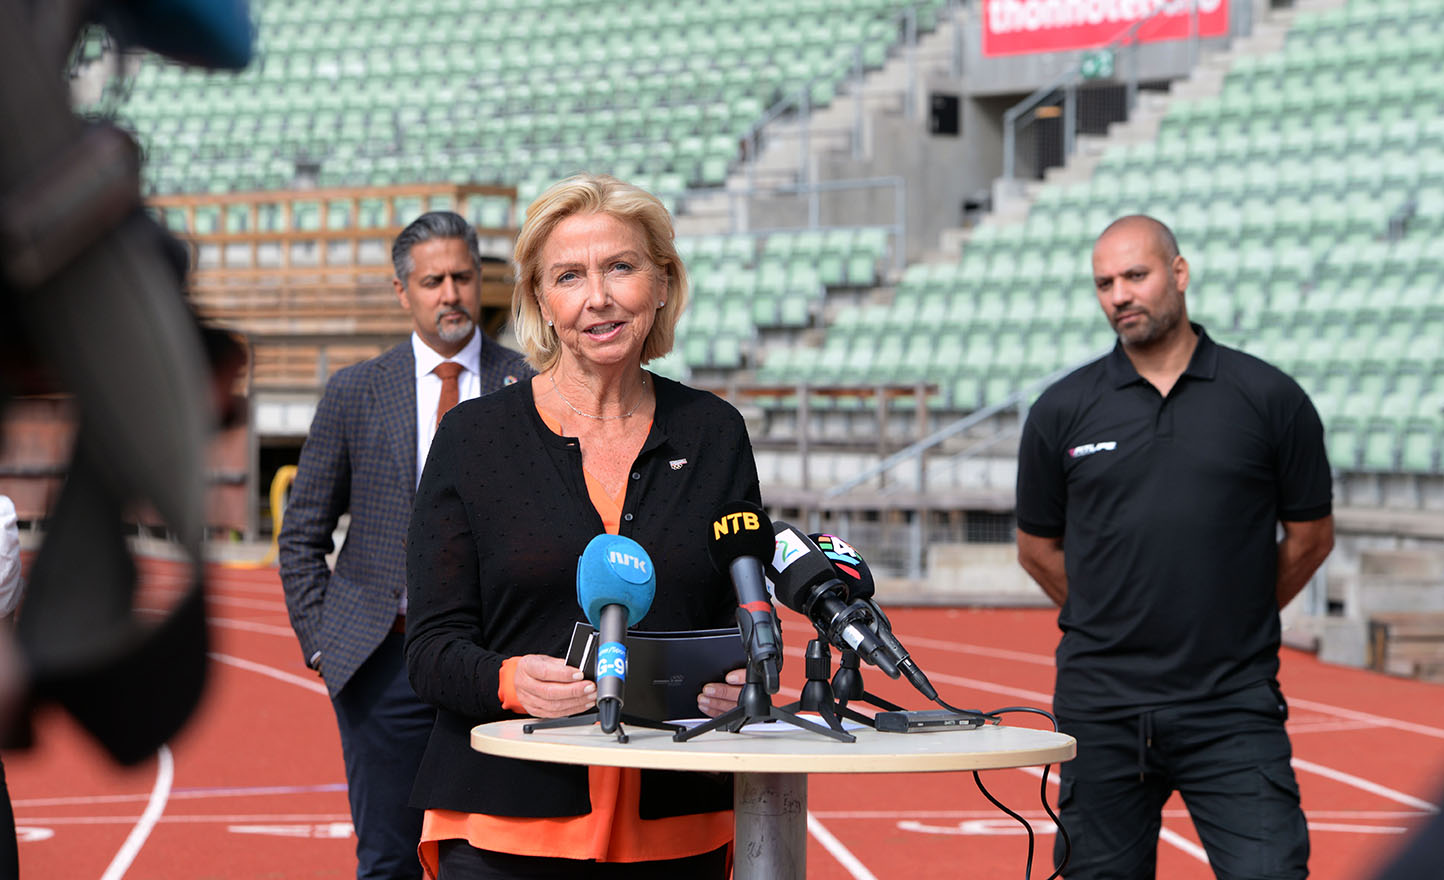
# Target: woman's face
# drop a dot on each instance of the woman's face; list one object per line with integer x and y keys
{"x": 599, "y": 289}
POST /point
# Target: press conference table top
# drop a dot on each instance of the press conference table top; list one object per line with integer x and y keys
{"x": 781, "y": 748}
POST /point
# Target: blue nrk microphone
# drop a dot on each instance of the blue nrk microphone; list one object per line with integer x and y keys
{"x": 615, "y": 587}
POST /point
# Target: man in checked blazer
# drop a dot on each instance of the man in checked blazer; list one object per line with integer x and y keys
{"x": 364, "y": 455}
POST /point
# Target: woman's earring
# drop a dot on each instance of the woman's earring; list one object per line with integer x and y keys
{"x": 549, "y": 323}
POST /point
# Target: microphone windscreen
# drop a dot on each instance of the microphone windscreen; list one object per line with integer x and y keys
{"x": 797, "y": 565}
{"x": 851, "y": 568}
{"x": 615, "y": 570}
{"x": 739, "y": 529}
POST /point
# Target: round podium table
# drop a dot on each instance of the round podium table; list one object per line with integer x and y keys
{"x": 772, "y": 762}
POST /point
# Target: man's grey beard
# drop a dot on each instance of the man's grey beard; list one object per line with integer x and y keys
{"x": 454, "y": 332}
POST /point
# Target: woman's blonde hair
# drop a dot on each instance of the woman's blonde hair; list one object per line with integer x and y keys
{"x": 593, "y": 194}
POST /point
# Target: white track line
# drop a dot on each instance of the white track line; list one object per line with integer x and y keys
{"x": 844, "y": 857}
{"x": 216, "y": 598}
{"x": 309, "y": 684}
{"x": 227, "y": 623}
{"x": 1367, "y": 717}
{"x": 1183, "y": 843}
{"x": 250, "y": 626}
{"x": 889, "y": 815}
{"x": 164, "y": 776}
{"x": 1365, "y": 785}
{"x": 1171, "y": 838}
{"x": 959, "y": 648}
{"x": 189, "y": 794}
{"x": 1329, "y": 726}
{"x": 990, "y": 687}
{"x": 849, "y": 861}
{"x": 196, "y": 819}
{"x": 1357, "y": 829}
{"x": 1046, "y": 660}
{"x": 830, "y": 843}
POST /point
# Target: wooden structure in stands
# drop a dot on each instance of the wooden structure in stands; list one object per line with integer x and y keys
{"x": 305, "y": 275}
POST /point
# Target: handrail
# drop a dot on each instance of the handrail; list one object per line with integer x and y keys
{"x": 974, "y": 418}
{"x": 800, "y": 98}
{"x": 1069, "y": 75}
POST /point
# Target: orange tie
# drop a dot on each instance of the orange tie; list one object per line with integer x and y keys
{"x": 450, "y": 391}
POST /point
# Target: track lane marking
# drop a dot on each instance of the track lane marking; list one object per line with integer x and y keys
{"x": 1172, "y": 837}
{"x": 990, "y": 687}
{"x": 1358, "y": 829}
{"x": 1364, "y": 784}
{"x": 197, "y": 819}
{"x": 155, "y": 806}
{"x": 960, "y": 648}
{"x": 834, "y": 847}
{"x": 1300, "y": 702}
{"x": 845, "y": 815}
{"x": 1367, "y": 717}
{"x": 271, "y": 672}
{"x": 178, "y": 794}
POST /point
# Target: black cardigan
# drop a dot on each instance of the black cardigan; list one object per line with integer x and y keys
{"x": 500, "y": 518}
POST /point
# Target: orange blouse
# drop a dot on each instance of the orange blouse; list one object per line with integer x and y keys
{"x": 614, "y": 830}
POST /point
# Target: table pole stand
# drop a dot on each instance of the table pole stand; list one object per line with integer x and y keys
{"x": 591, "y": 718}
{"x": 756, "y": 705}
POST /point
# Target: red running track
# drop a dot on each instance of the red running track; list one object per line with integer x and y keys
{"x": 254, "y": 786}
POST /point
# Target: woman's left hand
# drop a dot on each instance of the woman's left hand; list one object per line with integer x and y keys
{"x": 718, "y": 697}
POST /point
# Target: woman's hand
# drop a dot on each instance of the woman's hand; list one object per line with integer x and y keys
{"x": 718, "y": 697}
{"x": 548, "y": 688}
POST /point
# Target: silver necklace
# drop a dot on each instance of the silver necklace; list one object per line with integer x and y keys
{"x": 553, "y": 378}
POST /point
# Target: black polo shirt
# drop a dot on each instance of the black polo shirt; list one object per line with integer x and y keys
{"x": 1168, "y": 510}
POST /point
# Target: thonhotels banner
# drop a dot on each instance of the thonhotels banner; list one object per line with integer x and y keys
{"x": 1017, "y": 27}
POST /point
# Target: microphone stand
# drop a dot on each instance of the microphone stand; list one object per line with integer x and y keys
{"x": 592, "y": 716}
{"x": 755, "y": 704}
{"x": 817, "y": 693}
{"x": 847, "y": 686}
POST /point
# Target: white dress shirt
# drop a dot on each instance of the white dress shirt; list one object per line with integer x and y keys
{"x": 428, "y": 388}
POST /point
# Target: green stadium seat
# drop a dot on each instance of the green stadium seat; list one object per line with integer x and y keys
{"x": 1419, "y": 450}
{"x": 1380, "y": 446}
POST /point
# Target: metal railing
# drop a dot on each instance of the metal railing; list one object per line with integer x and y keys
{"x": 849, "y": 75}
{"x": 916, "y": 455}
{"x": 1064, "y": 87}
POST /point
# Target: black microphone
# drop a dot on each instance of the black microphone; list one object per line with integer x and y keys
{"x": 804, "y": 580}
{"x": 739, "y": 543}
{"x": 852, "y": 570}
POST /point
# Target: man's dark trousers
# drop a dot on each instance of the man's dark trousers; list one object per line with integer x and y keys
{"x": 384, "y": 728}
{"x": 1229, "y": 759}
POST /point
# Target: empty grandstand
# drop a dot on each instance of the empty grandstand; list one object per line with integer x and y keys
{"x": 889, "y": 259}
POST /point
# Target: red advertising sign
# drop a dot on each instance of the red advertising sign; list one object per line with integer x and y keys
{"x": 1019, "y": 27}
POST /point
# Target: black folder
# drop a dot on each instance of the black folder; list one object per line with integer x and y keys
{"x": 665, "y": 670}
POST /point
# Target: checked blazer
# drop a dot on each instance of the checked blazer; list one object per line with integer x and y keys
{"x": 360, "y": 458}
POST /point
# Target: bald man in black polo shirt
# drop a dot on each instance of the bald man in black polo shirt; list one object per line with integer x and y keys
{"x": 1152, "y": 485}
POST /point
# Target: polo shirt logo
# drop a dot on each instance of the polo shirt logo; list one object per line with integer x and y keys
{"x": 677, "y": 463}
{"x": 1090, "y": 448}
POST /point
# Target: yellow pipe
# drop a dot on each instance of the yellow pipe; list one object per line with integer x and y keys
{"x": 280, "y": 485}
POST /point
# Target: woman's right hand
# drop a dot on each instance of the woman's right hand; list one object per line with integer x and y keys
{"x": 548, "y": 688}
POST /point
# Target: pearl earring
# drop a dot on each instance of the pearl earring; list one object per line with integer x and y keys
{"x": 549, "y": 323}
